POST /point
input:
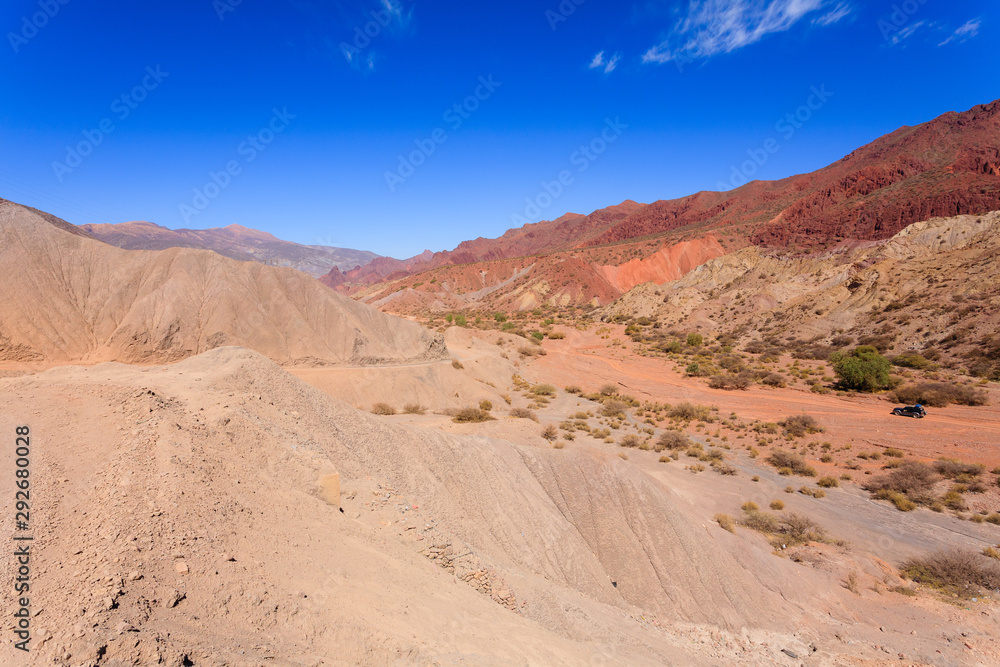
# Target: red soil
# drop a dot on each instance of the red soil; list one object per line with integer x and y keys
{"x": 968, "y": 433}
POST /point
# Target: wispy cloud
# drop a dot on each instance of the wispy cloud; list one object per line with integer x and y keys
{"x": 966, "y": 32}
{"x": 400, "y": 19}
{"x": 609, "y": 65}
{"x": 907, "y": 32}
{"x": 842, "y": 10}
{"x": 712, "y": 27}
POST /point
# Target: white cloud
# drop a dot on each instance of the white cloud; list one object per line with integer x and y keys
{"x": 907, "y": 31}
{"x": 612, "y": 63}
{"x": 712, "y": 27}
{"x": 966, "y": 32}
{"x": 842, "y": 10}
{"x": 609, "y": 65}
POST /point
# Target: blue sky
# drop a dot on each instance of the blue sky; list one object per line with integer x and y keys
{"x": 444, "y": 123}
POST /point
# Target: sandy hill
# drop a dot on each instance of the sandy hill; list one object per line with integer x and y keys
{"x": 946, "y": 167}
{"x": 234, "y": 241}
{"x": 194, "y": 524}
{"x": 66, "y": 297}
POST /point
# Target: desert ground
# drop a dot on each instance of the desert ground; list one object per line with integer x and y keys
{"x": 363, "y": 489}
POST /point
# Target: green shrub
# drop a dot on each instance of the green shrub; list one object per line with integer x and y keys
{"x": 864, "y": 369}
{"x": 695, "y": 340}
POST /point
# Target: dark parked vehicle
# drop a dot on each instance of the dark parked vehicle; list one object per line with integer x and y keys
{"x": 915, "y": 411}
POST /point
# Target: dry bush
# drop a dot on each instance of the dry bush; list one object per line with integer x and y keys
{"x": 608, "y": 390}
{"x": 828, "y": 482}
{"x": 559, "y": 445}
{"x": 801, "y": 425}
{"x": 797, "y": 529}
{"x": 912, "y": 478}
{"x": 690, "y": 412}
{"x": 851, "y": 583}
{"x": 955, "y": 469}
{"x": 762, "y": 522}
{"x": 414, "y": 409}
{"x": 550, "y": 433}
{"x": 485, "y": 405}
{"x": 471, "y": 416}
{"x": 902, "y": 503}
{"x": 962, "y": 573}
{"x": 531, "y": 351}
{"x": 456, "y": 364}
{"x": 673, "y": 441}
{"x": 630, "y": 441}
{"x": 383, "y": 409}
{"x": 573, "y": 389}
{"x": 613, "y": 408}
{"x": 775, "y": 380}
{"x": 557, "y": 335}
{"x": 940, "y": 394}
{"x": 749, "y": 506}
{"x": 991, "y": 552}
{"x": 777, "y": 505}
{"x": 523, "y": 413}
{"x": 724, "y": 468}
{"x": 726, "y": 522}
{"x": 794, "y": 463}
{"x": 543, "y": 390}
{"x": 731, "y": 381}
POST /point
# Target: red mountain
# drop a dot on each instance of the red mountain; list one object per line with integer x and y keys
{"x": 948, "y": 166}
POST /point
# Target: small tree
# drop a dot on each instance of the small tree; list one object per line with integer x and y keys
{"x": 500, "y": 318}
{"x": 695, "y": 340}
{"x": 460, "y": 320}
{"x": 864, "y": 369}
